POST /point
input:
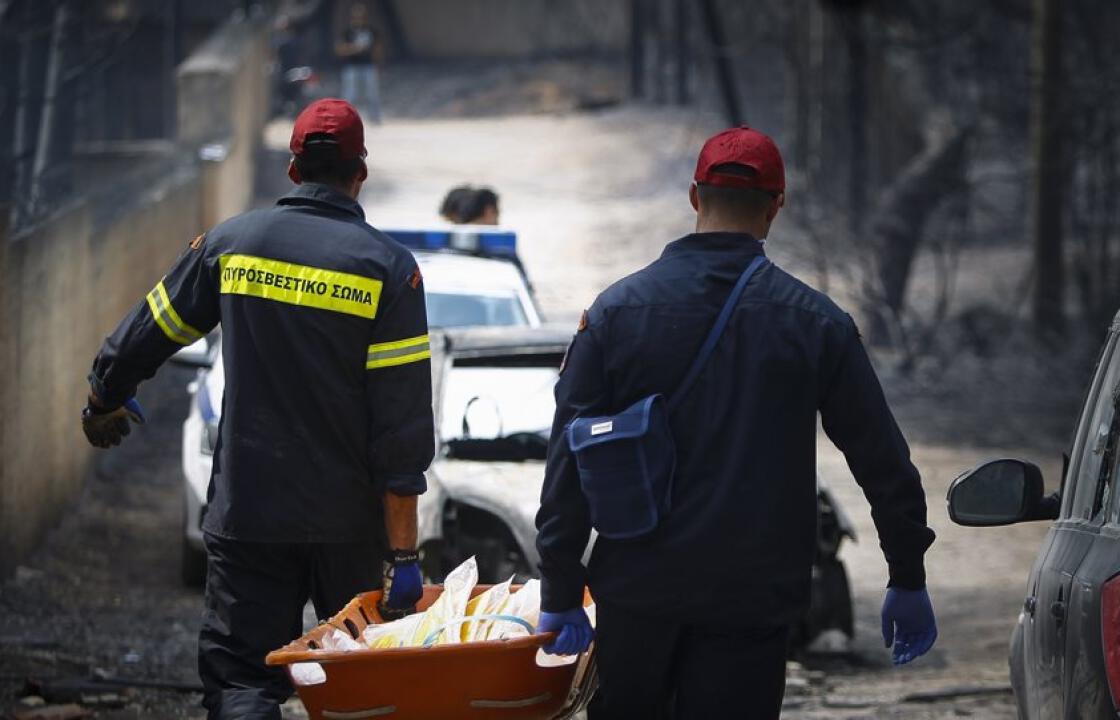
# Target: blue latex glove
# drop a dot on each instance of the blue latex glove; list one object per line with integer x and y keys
{"x": 575, "y": 632}
{"x": 402, "y": 585}
{"x": 908, "y": 624}
{"x": 135, "y": 412}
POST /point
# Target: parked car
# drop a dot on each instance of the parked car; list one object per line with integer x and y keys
{"x": 1065, "y": 648}
{"x": 493, "y": 391}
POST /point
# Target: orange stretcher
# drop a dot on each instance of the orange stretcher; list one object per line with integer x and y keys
{"x": 497, "y": 679}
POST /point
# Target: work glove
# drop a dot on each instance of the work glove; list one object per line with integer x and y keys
{"x": 575, "y": 632}
{"x": 106, "y": 426}
{"x": 402, "y": 585}
{"x": 908, "y": 624}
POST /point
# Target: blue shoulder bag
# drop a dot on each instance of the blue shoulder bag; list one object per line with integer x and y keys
{"x": 626, "y": 461}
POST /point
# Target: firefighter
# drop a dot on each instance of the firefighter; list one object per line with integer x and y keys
{"x": 694, "y": 616}
{"x": 326, "y": 426}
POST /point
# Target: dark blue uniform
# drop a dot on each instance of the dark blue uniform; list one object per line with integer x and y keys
{"x": 327, "y": 406}
{"x": 738, "y": 545}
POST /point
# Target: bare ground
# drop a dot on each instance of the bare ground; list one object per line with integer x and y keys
{"x": 594, "y": 196}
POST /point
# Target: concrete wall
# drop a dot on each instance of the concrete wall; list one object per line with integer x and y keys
{"x": 223, "y": 93}
{"x": 65, "y": 283}
{"x": 441, "y": 29}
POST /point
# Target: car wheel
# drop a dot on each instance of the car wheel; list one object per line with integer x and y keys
{"x": 830, "y": 604}
{"x": 1017, "y": 672}
{"x": 192, "y": 561}
{"x": 469, "y": 531}
{"x": 837, "y": 592}
{"x": 497, "y": 562}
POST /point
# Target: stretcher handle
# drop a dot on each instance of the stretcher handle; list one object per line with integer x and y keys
{"x": 475, "y": 618}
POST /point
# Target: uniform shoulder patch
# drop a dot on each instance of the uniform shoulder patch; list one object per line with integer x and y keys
{"x": 198, "y": 242}
{"x": 579, "y": 328}
{"x": 416, "y": 278}
{"x": 567, "y": 352}
{"x": 852, "y": 322}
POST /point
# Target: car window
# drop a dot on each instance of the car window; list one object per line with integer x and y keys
{"x": 449, "y": 310}
{"x": 1095, "y": 452}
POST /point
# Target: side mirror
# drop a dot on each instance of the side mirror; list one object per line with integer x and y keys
{"x": 998, "y": 492}
{"x": 199, "y": 354}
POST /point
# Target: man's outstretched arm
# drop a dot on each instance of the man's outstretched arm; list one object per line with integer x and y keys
{"x": 179, "y": 310}
{"x": 856, "y": 418}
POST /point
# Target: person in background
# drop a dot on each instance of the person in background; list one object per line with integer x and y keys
{"x": 449, "y": 208}
{"x": 286, "y": 48}
{"x": 466, "y": 205}
{"x": 361, "y": 52}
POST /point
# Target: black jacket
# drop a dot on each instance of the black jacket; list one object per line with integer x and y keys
{"x": 740, "y": 539}
{"x": 328, "y": 399}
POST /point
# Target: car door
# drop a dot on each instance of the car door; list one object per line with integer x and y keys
{"x": 1087, "y": 692}
{"x": 1069, "y": 542}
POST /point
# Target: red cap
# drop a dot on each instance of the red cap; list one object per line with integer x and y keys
{"x": 742, "y": 146}
{"x": 333, "y": 117}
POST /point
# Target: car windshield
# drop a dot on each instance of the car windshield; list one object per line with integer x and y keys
{"x": 448, "y": 310}
{"x": 499, "y": 412}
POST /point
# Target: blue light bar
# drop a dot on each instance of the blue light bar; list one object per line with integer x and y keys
{"x": 470, "y": 239}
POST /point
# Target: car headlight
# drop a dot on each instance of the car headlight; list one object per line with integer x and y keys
{"x": 209, "y": 420}
{"x": 209, "y": 438}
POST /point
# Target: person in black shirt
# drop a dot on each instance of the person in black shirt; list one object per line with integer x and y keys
{"x": 361, "y": 52}
{"x": 696, "y": 612}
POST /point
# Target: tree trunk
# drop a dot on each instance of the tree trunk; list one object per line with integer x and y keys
{"x": 856, "y": 39}
{"x": 21, "y": 147}
{"x": 638, "y": 14}
{"x": 1048, "y": 186}
{"x": 896, "y": 228}
{"x": 725, "y": 75}
{"x": 44, "y": 148}
{"x": 682, "y": 50}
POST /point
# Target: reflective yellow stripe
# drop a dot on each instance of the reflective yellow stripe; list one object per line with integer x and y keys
{"x": 398, "y": 360}
{"x": 158, "y": 317}
{"x": 168, "y": 320}
{"x": 176, "y": 321}
{"x": 399, "y": 344}
{"x": 301, "y": 285}
{"x": 398, "y": 352}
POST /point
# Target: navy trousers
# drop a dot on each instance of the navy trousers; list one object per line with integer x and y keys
{"x": 255, "y": 594}
{"x": 651, "y": 668}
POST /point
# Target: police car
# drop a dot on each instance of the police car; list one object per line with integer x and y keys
{"x": 472, "y": 277}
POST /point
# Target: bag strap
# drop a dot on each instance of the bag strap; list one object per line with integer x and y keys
{"x": 715, "y": 333}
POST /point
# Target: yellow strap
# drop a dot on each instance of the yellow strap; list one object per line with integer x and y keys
{"x": 301, "y": 285}
{"x": 168, "y": 320}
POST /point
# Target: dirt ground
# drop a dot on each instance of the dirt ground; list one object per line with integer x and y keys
{"x": 593, "y": 195}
